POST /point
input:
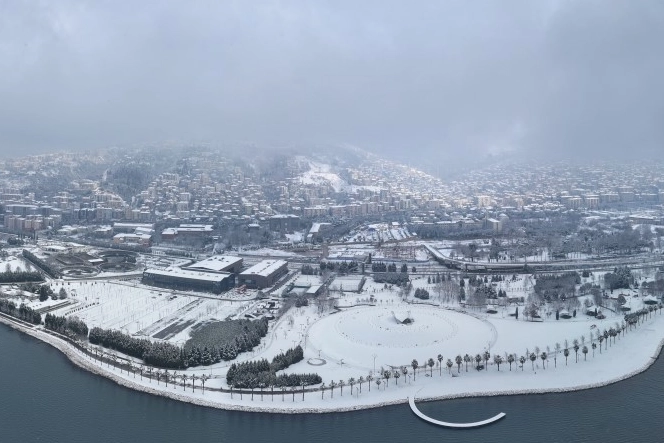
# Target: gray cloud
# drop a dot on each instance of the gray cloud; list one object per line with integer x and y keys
{"x": 451, "y": 80}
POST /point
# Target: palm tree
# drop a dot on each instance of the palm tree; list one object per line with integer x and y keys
{"x": 606, "y": 337}
{"x": 193, "y": 378}
{"x": 130, "y": 367}
{"x": 351, "y": 383}
{"x": 302, "y": 381}
{"x": 341, "y": 386}
{"x": 459, "y": 361}
{"x": 601, "y": 339}
{"x": 478, "y": 359}
{"x": 332, "y": 386}
{"x": 555, "y": 356}
{"x": 594, "y": 346}
{"x": 166, "y": 375}
{"x": 175, "y": 378}
{"x": 369, "y": 380}
{"x": 293, "y": 389}
{"x": 487, "y": 356}
{"x": 497, "y": 359}
{"x": 141, "y": 368}
{"x": 386, "y": 374}
{"x": 360, "y": 381}
{"x": 576, "y": 351}
{"x": 449, "y": 365}
{"x": 378, "y": 383}
{"x": 283, "y": 393}
{"x": 510, "y": 360}
{"x": 533, "y": 357}
{"x": 206, "y": 377}
{"x": 431, "y": 362}
{"x": 396, "y": 375}
{"x": 184, "y": 378}
{"x": 322, "y": 391}
{"x": 440, "y": 364}
{"x": 404, "y": 371}
{"x": 522, "y": 360}
{"x": 566, "y": 354}
{"x": 467, "y": 359}
{"x": 414, "y": 364}
{"x": 158, "y": 374}
{"x": 115, "y": 361}
{"x": 585, "y": 352}
{"x": 150, "y": 369}
{"x": 544, "y": 356}
{"x": 230, "y": 386}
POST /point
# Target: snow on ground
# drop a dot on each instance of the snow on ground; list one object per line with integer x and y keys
{"x": 320, "y": 174}
{"x": 346, "y": 283}
{"x": 360, "y": 338}
{"x": 296, "y": 237}
{"x": 628, "y": 355}
{"x": 15, "y": 263}
{"x": 267, "y": 252}
{"x": 142, "y": 310}
{"x": 355, "y": 335}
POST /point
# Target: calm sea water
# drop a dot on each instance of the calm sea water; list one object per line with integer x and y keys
{"x": 45, "y": 398}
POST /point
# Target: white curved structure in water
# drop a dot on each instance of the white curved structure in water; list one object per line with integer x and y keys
{"x": 477, "y": 424}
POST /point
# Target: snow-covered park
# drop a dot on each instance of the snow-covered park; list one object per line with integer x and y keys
{"x": 364, "y": 330}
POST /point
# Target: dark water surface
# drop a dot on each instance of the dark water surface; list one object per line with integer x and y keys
{"x": 45, "y": 398}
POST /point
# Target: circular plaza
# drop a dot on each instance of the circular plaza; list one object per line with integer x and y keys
{"x": 398, "y": 334}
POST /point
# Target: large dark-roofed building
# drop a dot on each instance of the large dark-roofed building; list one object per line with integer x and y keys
{"x": 264, "y": 274}
{"x": 185, "y": 279}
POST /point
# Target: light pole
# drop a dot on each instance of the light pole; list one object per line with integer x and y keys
{"x": 374, "y": 358}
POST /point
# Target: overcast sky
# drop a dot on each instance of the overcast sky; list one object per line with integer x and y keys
{"x": 448, "y": 79}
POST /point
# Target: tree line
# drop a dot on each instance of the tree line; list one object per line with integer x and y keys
{"x": 41, "y": 264}
{"x": 20, "y": 276}
{"x": 554, "y": 287}
{"x": 195, "y": 353}
{"x": 23, "y": 312}
{"x": 70, "y": 326}
{"x": 160, "y": 354}
{"x": 262, "y": 374}
{"x": 224, "y": 340}
{"x": 620, "y": 278}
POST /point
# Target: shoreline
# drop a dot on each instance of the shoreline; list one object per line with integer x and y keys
{"x": 82, "y": 362}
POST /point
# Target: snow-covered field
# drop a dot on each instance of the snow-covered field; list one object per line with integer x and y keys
{"x": 141, "y": 310}
{"x": 15, "y": 263}
{"x": 628, "y": 355}
{"x": 365, "y": 335}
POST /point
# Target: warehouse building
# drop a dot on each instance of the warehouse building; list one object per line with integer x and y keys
{"x": 185, "y": 279}
{"x": 218, "y": 263}
{"x": 264, "y": 274}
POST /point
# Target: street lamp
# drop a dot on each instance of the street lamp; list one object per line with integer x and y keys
{"x": 374, "y": 358}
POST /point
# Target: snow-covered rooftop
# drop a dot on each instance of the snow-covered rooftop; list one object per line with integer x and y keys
{"x": 189, "y": 274}
{"x": 265, "y": 268}
{"x": 216, "y": 263}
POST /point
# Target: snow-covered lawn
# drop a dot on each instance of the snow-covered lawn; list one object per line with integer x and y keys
{"x": 138, "y": 309}
{"x": 628, "y": 355}
{"x": 15, "y": 263}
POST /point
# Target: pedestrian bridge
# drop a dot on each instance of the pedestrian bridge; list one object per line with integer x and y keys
{"x": 477, "y": 424}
